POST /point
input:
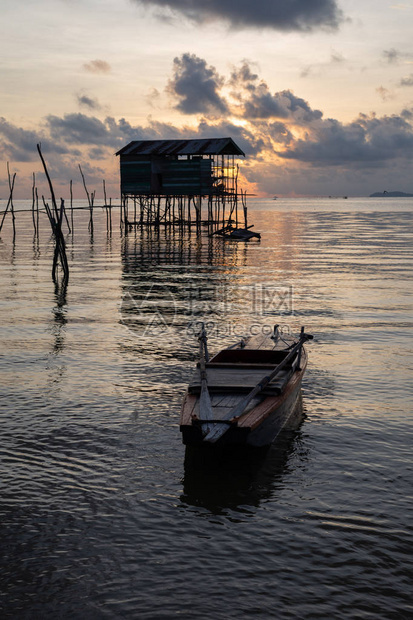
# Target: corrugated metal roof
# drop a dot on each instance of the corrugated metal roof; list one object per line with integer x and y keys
{"x": 213, "y": 146}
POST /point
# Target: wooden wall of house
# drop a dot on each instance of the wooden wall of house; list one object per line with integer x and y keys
{"x": 169, "y": 177}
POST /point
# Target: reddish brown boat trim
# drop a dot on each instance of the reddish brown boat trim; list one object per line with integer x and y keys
{"x": 256, "y": 416}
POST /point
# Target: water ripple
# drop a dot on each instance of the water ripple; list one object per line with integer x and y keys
{"x": 103, "y": 513}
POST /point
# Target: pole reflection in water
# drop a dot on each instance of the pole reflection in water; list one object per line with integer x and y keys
{"x": 171, "y": 281}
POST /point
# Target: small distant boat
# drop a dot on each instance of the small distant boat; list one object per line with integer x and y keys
{"x": 242, "y": 234}
{"x": 246, "y": 394}
{"x": 238, "y": 234}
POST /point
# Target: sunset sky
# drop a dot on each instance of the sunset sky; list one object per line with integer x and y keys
{"x": 318, "y": 93}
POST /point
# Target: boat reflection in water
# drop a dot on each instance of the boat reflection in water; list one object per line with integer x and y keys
{"x": 238, "y": 477}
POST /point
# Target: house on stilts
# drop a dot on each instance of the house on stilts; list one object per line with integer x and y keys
{"x": 182, "y": 183}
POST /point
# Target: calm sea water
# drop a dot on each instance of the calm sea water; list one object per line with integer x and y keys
{"x": 100, "y": 516}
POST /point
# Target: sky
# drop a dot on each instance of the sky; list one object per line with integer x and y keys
{"x": 317, "y": 93}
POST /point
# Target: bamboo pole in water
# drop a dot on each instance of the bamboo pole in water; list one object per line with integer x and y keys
{"x": 11, "y": 187}
{"x": 90, "y": 199}
{"x": 54, "y": 204}
{"x": 106, "y": 206}
{"x": 37, "y": 209}
{"x": 65, "y": 214}
{"x": 71, "y": 204}
{"x": 55, "y": 219}
{"x": 34, "y": 203}
{"x": 9, "y": 202}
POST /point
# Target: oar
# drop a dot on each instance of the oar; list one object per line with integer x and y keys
{"x": 205, "y": 405}
{"x": 236, "y": 411}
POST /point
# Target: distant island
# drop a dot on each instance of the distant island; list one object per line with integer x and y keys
{"x": 390, "y": 195}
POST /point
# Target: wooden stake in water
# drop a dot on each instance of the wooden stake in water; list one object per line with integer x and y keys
{"x": 55, "y": 219}
{"x": 90, "y": 199}
{"x": 11, "y": 187}
{"x": 71, "y": 204}
{"x": 9, "y": 202}
{"x": 34, "y": 203}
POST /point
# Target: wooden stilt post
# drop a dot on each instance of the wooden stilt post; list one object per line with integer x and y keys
{"x": 10, "y": 200}
{"x": 71, "y": 205}
{"x": 56, "y": 224}
{"x": 106, "y": 205}
{"x": 126, "y": 214}
{"x": 37, "y": 210}
{"x": 90, "y": 198}
{"x": 11, "y": 187}
{"x": 34, "y": 203}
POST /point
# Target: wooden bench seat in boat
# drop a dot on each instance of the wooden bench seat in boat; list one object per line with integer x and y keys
{"x": 239, "y": 379}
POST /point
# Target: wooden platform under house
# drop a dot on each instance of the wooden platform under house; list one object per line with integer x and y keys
{"x": 183, "y": 183}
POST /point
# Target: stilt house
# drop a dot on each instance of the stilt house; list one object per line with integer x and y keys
{"x": 179, "y": 167}
{"x": 180, "y": 182}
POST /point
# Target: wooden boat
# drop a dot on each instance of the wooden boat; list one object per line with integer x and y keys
{"x": 246, "y": 394}
{"x": 242, "y": 234}
{"x": 237, "y": 234}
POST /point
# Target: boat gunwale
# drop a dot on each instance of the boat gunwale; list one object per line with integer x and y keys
{"x": 255, "y": 416}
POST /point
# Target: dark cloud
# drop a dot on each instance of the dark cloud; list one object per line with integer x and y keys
{"x": 243, "y": 76}
{"x": 407, "y": 114}
{"x": 280, "y": 133}
{"x": 17, "y": 144}
{"x": 88, "y": 102}
{"x": 368, "y": 141}
{"x": 97, "y": 66}
{"x": 251, "y": 142}
{"x": 301, "y": 15}
{"x": 261, "y": 104}
{"x": 256, "y": 102}
{"x": 80, "y": 129}
{"x": 97, "y": 152}
{"x": 196, "y": 86}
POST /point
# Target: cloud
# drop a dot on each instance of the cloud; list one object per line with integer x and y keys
{"x": 395, "y": 57}
{"x": 262, "y": 104}
{"x": 196, "y": 86}
{"x": 337, "y": 57}
{"x": 392, "y": 56}
{"x": 385, "y": 93}
{"x": 301, "y": 15}
{"x": 306, "y": 71}
{"x": 78, "y": 129}
{"x": 244, "y": 76}
{"x": 250, "y": 141}
{"x": 257, "y": 102}
{"x": 97, "y": 66}
{"x": 153, "y": 97}
{"x": 280, "y": 134}
{"x": 407, "y": 81}
{"x": 278, "y": 131}
{"x": 407, "y": 114}
{"x": 367, "y": 141}
{"x": 18, "y": 144}
{"x": 88, "y": 102}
